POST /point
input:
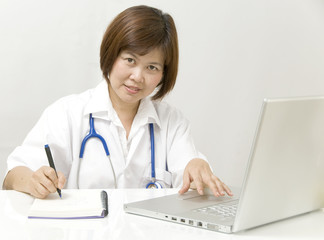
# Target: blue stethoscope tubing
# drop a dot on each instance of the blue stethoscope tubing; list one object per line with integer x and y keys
{"x": 93, "y": 134}
{"x": 153, "y": 183}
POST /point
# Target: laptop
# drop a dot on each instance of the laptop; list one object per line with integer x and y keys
{"x": 284, "y": 175}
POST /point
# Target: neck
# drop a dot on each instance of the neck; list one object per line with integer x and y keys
{"x": 125, "y": 111}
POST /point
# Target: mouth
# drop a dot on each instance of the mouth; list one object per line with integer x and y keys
{"x": 132, "y": 89}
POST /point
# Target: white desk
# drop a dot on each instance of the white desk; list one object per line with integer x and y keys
{"x": 14, "y": 223}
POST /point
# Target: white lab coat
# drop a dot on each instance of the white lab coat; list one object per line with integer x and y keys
{"x": 64, "y": 124}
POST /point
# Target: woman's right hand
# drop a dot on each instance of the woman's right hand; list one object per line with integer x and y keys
{"x": 44, "y": 181}
{"x": 39, "y": 183}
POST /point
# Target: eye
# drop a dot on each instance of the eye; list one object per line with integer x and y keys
{"x": 152, "y": 67}
{"x": 130, "y": 60}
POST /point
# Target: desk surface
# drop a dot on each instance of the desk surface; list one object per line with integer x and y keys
{"x": 14, "y": 223}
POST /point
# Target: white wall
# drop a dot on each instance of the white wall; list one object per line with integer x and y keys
{"x": 233, "y": 54}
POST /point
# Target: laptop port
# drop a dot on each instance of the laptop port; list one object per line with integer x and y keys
{"x": 191, "y": 222}
{"x": 199, "y": 224}
{"x": 174, "y": 218}
{"x": 182, "y": 220}
{"x": 212, "y": 226}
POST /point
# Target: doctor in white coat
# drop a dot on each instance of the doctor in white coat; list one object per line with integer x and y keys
{"x": 139, "y": 61}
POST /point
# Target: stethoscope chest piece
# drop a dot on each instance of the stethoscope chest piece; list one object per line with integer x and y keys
{"x": 154, "y": 185}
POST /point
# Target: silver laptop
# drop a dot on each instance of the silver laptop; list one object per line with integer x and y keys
{"x": 284, "y": 175}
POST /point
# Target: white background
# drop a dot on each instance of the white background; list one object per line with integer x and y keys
{"x": 233, "y": 54}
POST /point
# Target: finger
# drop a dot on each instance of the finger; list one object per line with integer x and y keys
{"x": 41, "y": 191}
{"x": 61, "y": 180}
{"x": 48, "y": 184}
{"x": 52, "y": 175}
{"x": 41, "y": 176}
{"x": 186, "y": 183}
{"x": 199, "y": 184}
{"x": 211, "y": 184}
{"x": 228, "y": 190}
{"x": 219, "y": 185}
{"x": 222, "y": 187}
{"x": 38, "y": 190}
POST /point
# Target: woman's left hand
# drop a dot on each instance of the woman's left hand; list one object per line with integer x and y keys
{"x": 198, "y": 174}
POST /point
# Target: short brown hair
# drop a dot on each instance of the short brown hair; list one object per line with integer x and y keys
{"x": 141, "y": 29}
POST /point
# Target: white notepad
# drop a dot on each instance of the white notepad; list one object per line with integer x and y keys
{"x": 74, "y": 204}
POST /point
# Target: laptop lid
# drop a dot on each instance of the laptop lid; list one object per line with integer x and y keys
{"x": 285, "y": 174}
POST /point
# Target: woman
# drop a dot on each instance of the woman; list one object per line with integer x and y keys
{"x": 139, "y": 61}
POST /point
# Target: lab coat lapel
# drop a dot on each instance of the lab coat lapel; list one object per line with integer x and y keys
{"x": 139, "y": 137}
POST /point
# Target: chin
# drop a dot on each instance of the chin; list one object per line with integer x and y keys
{"x": 130, "y": 99}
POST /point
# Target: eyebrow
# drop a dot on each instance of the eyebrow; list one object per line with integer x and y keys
{"x": 132, "y": 54}
{"x": 136, "y": 57}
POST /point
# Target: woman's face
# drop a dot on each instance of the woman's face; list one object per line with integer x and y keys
{"x": 134, "y": 77}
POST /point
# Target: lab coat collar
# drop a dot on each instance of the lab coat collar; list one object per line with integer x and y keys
{"x": 99, "y": 101}
{"x": 146, "y": 113}
{"x": 101, "y": 107}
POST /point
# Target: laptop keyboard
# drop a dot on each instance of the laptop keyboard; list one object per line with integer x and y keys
{"x": 227, "y": 209}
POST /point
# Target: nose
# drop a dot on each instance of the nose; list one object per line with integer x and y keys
{"x": 137, "y": 75}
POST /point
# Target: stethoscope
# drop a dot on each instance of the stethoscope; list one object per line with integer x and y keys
{"x": 93, "y": 134}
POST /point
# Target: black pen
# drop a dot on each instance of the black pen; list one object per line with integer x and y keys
{"x": 51, "y": 163}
